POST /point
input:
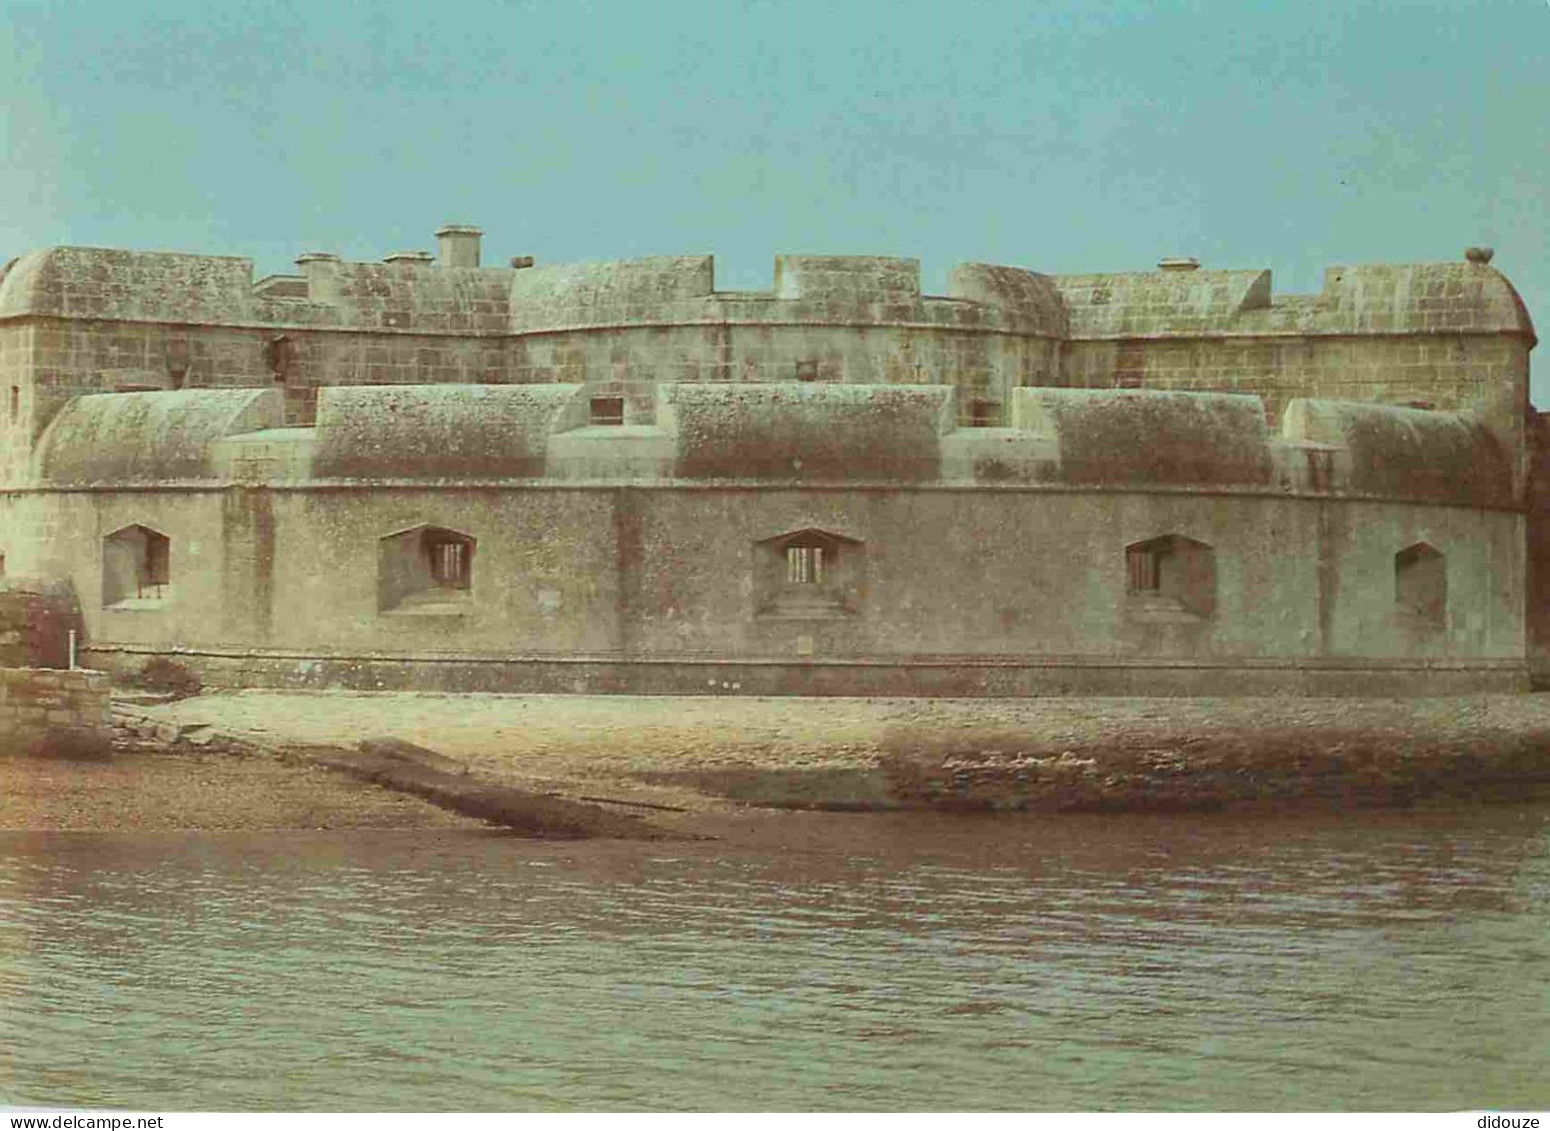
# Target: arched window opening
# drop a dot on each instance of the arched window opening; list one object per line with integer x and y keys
{"x": 426, "y": 569}
{"x": 1421, "y": 587}
{"x": 1171, "y": 574}
{"x": 136, "y": 568}
{"x": 808, "y": 574}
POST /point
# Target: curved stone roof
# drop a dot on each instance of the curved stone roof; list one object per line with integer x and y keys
{"x": 91, "y": 282}
{"x": 781, "y": 433}
{"x": 1032, "y": 299}
{"x": 803, "y": 432}
{"x": 1368, "y": 299}
{"x": 148, "y": 437}
{"x": 1407, "y": 453}
{"x": 1160, "y": 302}
{"x": 436, "y": 431}
{"x": 1150, "y": 437}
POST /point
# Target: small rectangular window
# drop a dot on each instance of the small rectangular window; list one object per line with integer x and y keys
{"x": 449, "y": 564}
{"x": 804, "y": 565}
{"x": 16, "y": 402}
{"x": 807, "y": 371}
{"x": 1142, "y": 565}
{"x": 984, "y": 414}
{"x": 607, "y": 410}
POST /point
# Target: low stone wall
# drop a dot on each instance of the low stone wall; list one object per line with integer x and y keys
{"x": 955, "y": 677}
{"x": 53, "y": 711}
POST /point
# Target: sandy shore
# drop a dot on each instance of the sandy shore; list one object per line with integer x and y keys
{"x": 678, "y": 758}
{"x": 157, "y": 790}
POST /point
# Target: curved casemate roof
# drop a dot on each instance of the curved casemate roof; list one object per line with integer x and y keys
{"x": 808, "y": 432}
{"x": 436, "y": 431}
{"x": 1145, "y": 436}
{"x": 788, "y": 433}
{"x": 1407, "y": 453}
{"x": 133, "y": 438}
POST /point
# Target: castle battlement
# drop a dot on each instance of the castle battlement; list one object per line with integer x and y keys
{"x": 413, "y": 293}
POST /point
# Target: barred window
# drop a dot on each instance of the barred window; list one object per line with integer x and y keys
{"x": 1171, "y": 574}
{"x": 425, "y": 569}
{"x": 449, "y": 563}
{"x": 804, "y": 565}
{"x": 808, "y": 574}
{"x": 1142, "y": 563}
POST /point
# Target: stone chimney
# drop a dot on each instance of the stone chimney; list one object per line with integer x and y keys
{"x": 457, "y": 245}
{"x": 321, "y": 270}
{"x": 1179, "y": 263}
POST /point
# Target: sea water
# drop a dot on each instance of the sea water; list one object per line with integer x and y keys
{"x": 1333, "y": 961}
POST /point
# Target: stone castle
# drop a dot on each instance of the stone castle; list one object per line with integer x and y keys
{"x": 427, "y": 472}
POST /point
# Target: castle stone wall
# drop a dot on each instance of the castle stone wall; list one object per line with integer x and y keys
{"x": 419, "y": 473}
{"x": 654, "y": 576}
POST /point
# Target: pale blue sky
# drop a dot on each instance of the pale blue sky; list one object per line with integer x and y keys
{"x": 1061, "y": 137}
